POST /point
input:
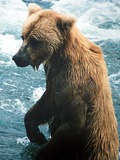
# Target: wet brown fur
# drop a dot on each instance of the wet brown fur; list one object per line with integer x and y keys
{"x": 77, "y": 80}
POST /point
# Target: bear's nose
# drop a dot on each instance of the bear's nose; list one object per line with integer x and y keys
{"x": 16, "y": 58}
{"x": 13, "y": 58}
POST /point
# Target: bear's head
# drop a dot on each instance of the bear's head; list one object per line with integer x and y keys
{"x": 44, "y": 33}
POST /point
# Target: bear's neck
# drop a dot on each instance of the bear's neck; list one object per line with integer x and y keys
{"x": 74, "y": 48}
{"x": 77, "y": 47}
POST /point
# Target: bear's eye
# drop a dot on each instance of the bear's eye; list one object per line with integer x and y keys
{"x": 33, "y": 40}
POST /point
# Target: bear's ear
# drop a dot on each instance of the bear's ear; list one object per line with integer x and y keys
{"x": 32, "y": 8}
{"x": 65, "y": 23}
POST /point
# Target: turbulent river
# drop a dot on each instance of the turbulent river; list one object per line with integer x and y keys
{"x": 20, "y": 88}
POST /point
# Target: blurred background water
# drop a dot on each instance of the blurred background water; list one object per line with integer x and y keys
{"x": 20, "y": 88}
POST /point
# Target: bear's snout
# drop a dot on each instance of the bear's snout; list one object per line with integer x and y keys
{"x": 16, "y": 59}
{"x": 21, "y": 60}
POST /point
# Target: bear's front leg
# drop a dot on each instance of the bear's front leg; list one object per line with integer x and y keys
{"x": 40, "y": 113}
{"x": 64, "y": 143}
{"x": 67, "y": 140}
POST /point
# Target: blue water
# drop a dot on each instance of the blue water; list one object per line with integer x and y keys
{"x": 20, "y": 88}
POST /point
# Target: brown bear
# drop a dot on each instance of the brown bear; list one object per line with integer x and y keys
{"x": 77, "y": 102}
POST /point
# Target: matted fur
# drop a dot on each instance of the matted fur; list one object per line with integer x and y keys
{"x": 78, "y": 86}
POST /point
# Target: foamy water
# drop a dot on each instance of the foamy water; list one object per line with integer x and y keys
{"x": 20, "y": 88}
